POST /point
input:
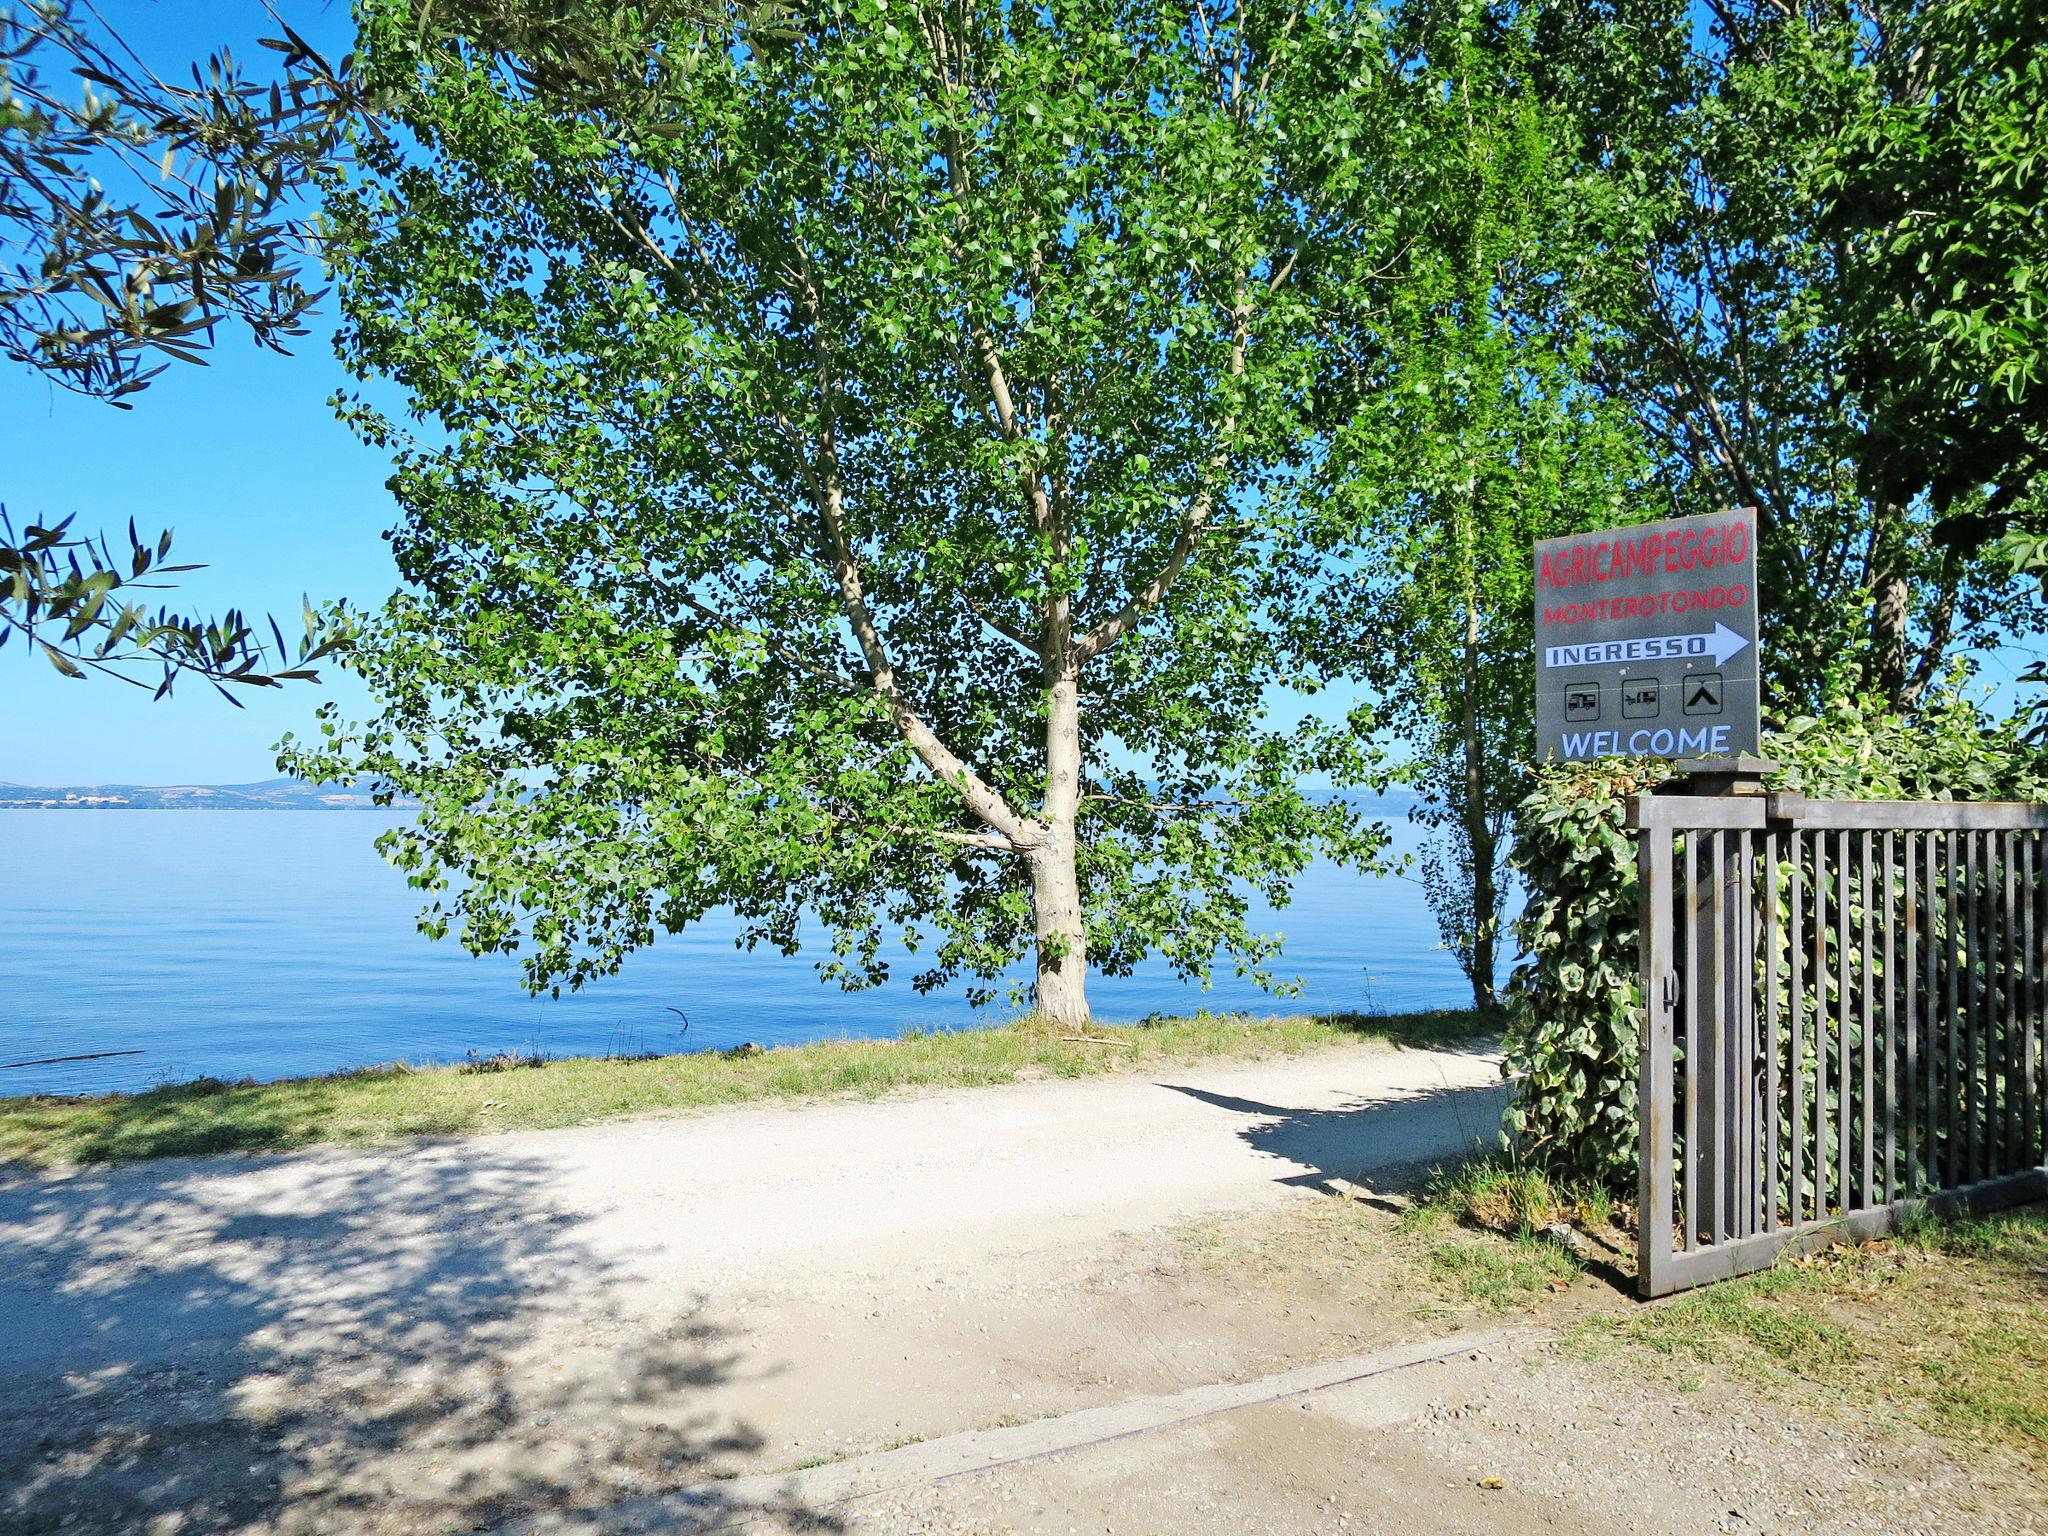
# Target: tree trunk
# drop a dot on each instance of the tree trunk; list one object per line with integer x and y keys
{"x": 1485, "y": 897}
{"x": 1055, "y": 880}
{"x": 1062, "y": 940}
{"x": 1478, "y": 834}
{"x": 1889, "y": 599}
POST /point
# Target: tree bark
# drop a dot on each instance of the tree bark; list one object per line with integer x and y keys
{"x": 1889, "y": 600}
{"x": 1055, "y": 877}
{"x": 1478, "y": 834}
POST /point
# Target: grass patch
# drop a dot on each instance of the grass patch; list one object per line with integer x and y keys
{"x": 1761, "y": 1315}
{"x": 381, "y": 1104}
{"x": 1479, "y": 1225}
{"x": 1497, "y": 1276}
{"x": 1944, "y": 1327}
{"x": 1495, "y": 1194}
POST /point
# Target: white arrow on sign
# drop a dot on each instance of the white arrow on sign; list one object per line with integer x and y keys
{"x": 1721, "y": 644}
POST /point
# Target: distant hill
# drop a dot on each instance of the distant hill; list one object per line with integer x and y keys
{"x": 270, "y": 795}
{"x": 294, "y": 795}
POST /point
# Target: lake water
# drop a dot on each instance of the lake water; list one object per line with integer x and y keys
{"x": 276, "y": 943}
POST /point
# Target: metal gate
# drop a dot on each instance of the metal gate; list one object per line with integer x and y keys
{"x": 1844, "y": 1019}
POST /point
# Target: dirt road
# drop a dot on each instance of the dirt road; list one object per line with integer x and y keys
{"x": 1121, "y": 1305}
{"x": 450, "y": 1333}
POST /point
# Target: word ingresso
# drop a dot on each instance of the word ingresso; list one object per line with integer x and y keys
{"x": 1665, "y": 741}
{"x": 1722, "y": 643}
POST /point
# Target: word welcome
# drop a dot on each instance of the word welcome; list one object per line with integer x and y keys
{"x": 1618, "y": 559}
{"x": 1664, "y": 741}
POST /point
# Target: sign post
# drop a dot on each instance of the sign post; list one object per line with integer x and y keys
{"x": 1646, "y": 640}
{"x": 1646, "y": 646}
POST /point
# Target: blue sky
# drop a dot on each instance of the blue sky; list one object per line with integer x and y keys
{"x": 242, "y": 459}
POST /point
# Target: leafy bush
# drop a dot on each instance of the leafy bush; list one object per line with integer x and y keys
{"x": 1574, "y": 1002}
{"x": 1948, "y": 750}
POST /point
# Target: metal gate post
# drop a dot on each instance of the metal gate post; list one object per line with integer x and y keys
{"x": 1721, "y": 937}
{"x": 1725, "y": 1075}
{"x": 1653, "y": 1094}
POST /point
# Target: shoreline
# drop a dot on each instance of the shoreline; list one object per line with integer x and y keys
{"x": 392, "y": 1101}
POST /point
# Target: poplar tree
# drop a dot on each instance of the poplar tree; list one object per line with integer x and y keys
{"x": 860, "y": 477}
{"x": 1473, "y": 434}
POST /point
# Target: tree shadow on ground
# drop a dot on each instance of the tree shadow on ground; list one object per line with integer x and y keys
{"x": 1378, "y": 1145}
{"x": 323, "y": 1345}
{"x": 1365, "y": 1150}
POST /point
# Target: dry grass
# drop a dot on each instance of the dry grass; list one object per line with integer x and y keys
{"x": 384, "y": 1103}
{"x": 1943, "y": 1327}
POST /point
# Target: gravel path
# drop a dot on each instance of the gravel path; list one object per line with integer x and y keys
{"x": 454, "y": 1331}
{"x": 1111, "y": 1305}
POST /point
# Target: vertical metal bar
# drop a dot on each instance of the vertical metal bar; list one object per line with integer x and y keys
{"x": 1994, "y": 1004}
{"x": 1952, "y": 1082}
{"x": 1691, "y": 986}
{"x": 1911, "y": 987}
{"x": 1974, "y": 939}
{"x": 1844, "y": 1080}
{"x": 1823, "y": 1163}
{"x": 1987, "y": 1028}
{"x": 1719, "y": 1108}
{"x": 2017, "y": 1067}
{"x": 1891, "y": 1022}
{"x": 1795, "y": 1014}
{"x": 2030, "y": 1142}
{"x": 1749, "y": 1143}
{"x": 2003, "y": 1150}
{"x": 1866, "y": 1109}
{"x": 1654, "y": 1222}
{"x": 1768, "y": 1206}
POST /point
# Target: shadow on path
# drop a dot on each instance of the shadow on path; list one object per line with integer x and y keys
{"x": 1374, "y": 1144}
{"x": 363, "y": 1345}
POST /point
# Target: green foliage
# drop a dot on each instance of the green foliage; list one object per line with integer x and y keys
{"x": 1946, "y": 750}
{"x": 1574, "y": 1001}
{"x": 1817, "y": 284}
{"x": 861, "y": 478}
{"x": 1575, "y": 1009}
{"x": 59, "y": 594}
{"x": 1487, "y": 439}
{"x": 136, "y": 216}
{"x": 1940, "y": 183}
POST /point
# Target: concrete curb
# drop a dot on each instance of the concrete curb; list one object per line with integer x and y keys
{"x": 734, "y": 1503}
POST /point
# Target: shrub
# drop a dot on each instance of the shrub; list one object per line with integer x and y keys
{"x": 1574, "y": 1002}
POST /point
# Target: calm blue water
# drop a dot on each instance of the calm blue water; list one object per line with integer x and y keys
{"x": 276, "y": 943}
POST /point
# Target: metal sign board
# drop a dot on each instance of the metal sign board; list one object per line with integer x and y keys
{"x": 1646, "y": 640}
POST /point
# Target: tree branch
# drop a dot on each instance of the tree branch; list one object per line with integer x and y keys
{"x": 981, "y": 798}
{"x": 1149, "y": 596}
